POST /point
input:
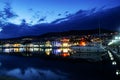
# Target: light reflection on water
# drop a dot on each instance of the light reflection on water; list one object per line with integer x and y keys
{"x": 36, "y": 74}
{"x": 47, "y": 51}
{"x": 30, "y": 69}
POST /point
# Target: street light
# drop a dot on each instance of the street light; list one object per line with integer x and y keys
{"x": 116, "y": 37}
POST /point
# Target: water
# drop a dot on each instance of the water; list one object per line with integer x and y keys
{"x": 14, "y": 67}
{"x": 32, "y": 68}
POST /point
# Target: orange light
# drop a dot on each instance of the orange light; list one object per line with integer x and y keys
{"x": 65, "y": 40}
{"x": 82, "y": 43}
{"x": 65, "y": 54}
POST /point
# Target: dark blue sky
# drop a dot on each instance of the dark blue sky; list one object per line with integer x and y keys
{"x": 41, "y": 16}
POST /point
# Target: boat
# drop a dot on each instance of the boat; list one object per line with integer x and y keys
{"x": 91, "y": 52}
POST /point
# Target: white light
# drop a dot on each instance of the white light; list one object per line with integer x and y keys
{"x": 116, "y": 37}
{"x": 113, "y": 41}
{"x": 65, "y": 50}
{"x": 110, "y": 55}
{"x": 114, "y": 63}
{"x": 117, "y": 72}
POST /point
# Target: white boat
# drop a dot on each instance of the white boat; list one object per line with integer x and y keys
{"x": 92, "y": 52}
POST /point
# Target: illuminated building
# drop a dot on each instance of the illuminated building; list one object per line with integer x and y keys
{"x": 56, "y": 43}
{"x": 36, "y": 49}
{"x": 31, "y": 45}
{"x": 16, "y": 45}
{"x": 65, "y": 42}
{"x": 7, "y": 45}
{"x": 82, "y": 43}
{"x": 48, "y": 44}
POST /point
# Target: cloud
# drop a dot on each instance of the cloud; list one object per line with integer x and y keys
{"x": 36, "y": 15}
{"x": 31, "y": 10}
{"x": 59, "y": 14}
{"x": 41, "y": 19}
{"x": 83, "y": 19}
{"x": 36, "y": 74}
{"x": 23, "y": 22}
{"x": 88, "y": 19}
{"x": 7, "y": 13}
{"x": 79, "y": 14}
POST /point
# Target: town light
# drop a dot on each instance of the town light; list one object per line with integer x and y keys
{"x": 116, "y": 37}
{"x": 114, "y": 63}
{"x": 82, "y": 43}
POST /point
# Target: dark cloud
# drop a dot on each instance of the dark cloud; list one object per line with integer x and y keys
{"x": 59, "y": 14}
{"x": 80, "y": 14}
{"x": 108, "y": 18}
{"x": 30, "y": 10}
{"x": 36, "y": 15}
{"x": 7, "y": 13}
{"x": 41, "y": 19}
{"x": 58, "y": 20}
{"x": 66, "y": 12}
{"x": 23, "y": 22}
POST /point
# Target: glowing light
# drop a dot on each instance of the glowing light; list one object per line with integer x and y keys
{"x": 47, "y": 51}
{"x": 36, "y": 49}
{"x": 48, "y": 44}
{"x": 58, "y": 50}
{"x": 82, "y": 43}
{"x": 57, "y": 44}
{"x": 21, "y": 49}
{"x": 16, "y": 49}
{"x": 114, "y": 63}
{"x": 65, "y": 40}
{"x": 31, "y": 45}
{"x": 36, "y": 45}
{"x": 117, "y": 72}
{"x": 16, "y": 45}
{"x": 7, "y": 45}
{"x": 116, "y": 37}
{"x": 110, "y": 55}
{"x": 65, "y": 54}
{"x": 41, "y": 49}
{"x": 31, "y": 49}
{"x": 65, "y": 50}
{"x": 65, "y": 45}
{"x": 7, "y": 50}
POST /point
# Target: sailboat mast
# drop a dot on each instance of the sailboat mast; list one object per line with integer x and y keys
{"x": 99, "y": 28}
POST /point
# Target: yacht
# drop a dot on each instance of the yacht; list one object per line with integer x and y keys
{"x": 91, "y": 52}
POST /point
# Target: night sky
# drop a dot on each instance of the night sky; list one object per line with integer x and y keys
{"x": 35, "y": 17}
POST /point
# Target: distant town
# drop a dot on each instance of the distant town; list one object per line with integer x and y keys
{"x": 56, "y": 40}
